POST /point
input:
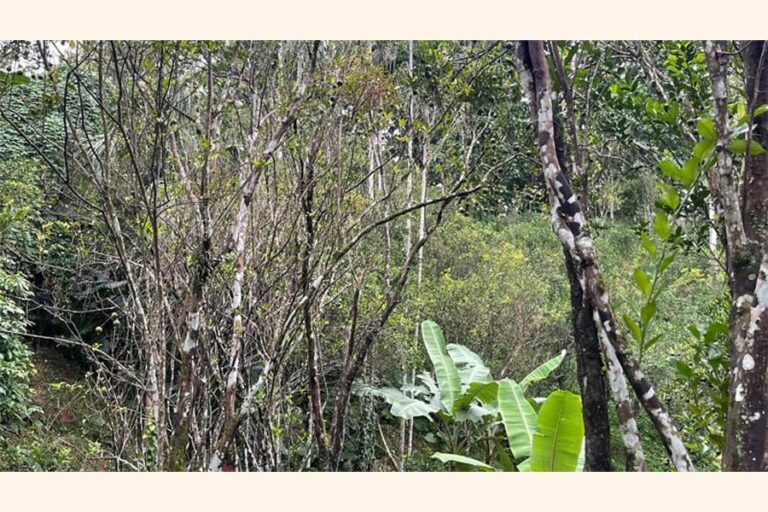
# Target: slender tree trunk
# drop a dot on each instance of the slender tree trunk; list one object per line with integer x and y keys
{"x": 571, "y": 227}
{"x": 589, "y": 364}
{"x": 746, "y": 227}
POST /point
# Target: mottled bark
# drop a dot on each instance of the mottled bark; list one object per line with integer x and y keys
{"x": 579, "y": 169}
{"x": 572, "y": 229}
{"x": 746, "y": 226}
{"x": 589, "y": 369}
{"x": 755, "y": 211}
{"x": 589, "y": 365}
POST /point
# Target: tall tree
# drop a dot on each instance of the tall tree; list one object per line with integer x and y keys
{"x": 570, "y": 225}
{"x": 746, "y": 226}
{"x": 588, "y": 356}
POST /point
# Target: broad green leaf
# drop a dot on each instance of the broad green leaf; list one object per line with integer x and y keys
{"x": 473, "y": 413}
{"x": 695, "y": 332}
{"x": 643, "y": 281}
{"x": 661, "y": 225}
{"x": 669, "y": 196}
{"x": 402, "y": 405}
{"x": 461, "y": 459}
{"x": 741, "y": 108}
{"x": 669, "y": 169}
{"x": 634, "y": 329}
{"x": 558, "y": 440}
{"x": 447, "y": 375}
{"x": 470, "y": 374}
{"x": 743, "y": 116}
{"x": 704, "y": 148}
{"x": 648, "y": 245}
{"x": 469, "y": 365}
{"x": 518, "y": 417}
{"x": 706, "y": 128}
{"x": 485, "y": 393}
{"x": 462, "y": 355}
{"x": 428, "y": 381}
{"x": 739, "y": 146}
{"x": 672, "y": 112}
{"x": 689, "y": 171}
{"x": 414, "y": 389}
{"x": 542, "y": 371}
{"x": 410, "y": 408}
{"x": 713, "y": 330}
{"x": 525, "y": 466}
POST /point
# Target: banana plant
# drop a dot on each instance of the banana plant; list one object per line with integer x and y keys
{"x": 462, "y": 387}
{"x": 552, "y": 440}
{"x": 463, "y": 390}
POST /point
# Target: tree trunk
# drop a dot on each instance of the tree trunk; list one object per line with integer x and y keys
{"x": 746, "y": 226}
{"x": 589, "y": 367}
{"x": 571, "y": 227}
{"x": 589, "y": 364}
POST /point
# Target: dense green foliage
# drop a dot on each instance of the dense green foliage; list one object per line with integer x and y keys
{"x": 302, "y": 337}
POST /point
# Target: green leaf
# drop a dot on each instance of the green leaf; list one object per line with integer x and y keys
{"x": 461, "y": 459}
{"x": 486, "y": 393}
{"x": 704, "y": 148}
{"x": 470, "y": 374}
{"x": 648, "y": 312}
{"x": 648, "y": 245}
{"x": 473, "y": 413}
{"x": 689, "y": 171}
{"x": 683, "y": 369}
{"x": 741, "y": 109}
{"x": 713, "y": 330}
{"x": 518, "y": 417}
{"x": 542, "y": 371}
{"x": 402, "y": 405}
{"x": 470, "y": 367}
{"x": 410, "y": 408}
{"x": 557, "y": 442}
{"x": 706, "y": 128}
{"x": 760, "y": 111}
{"x": 739, "y": 146}
{"x": 666, "y": 262}
{"x": 661, "y": 225}
{"x": 694, "y": 331}
{"x": 643, "y": 281}
{"x": 503, "y": 455}
{"x": 634, "y": 329}
{"x": 651, "y": 342}
{"x": 445, "y": 370}
{"x": 13, "y": 78}
{"x": 743, "y": 116}
{"x": 669, "y": 169}
{"x": 525, "y": 466}
{"x": 672, "y": 112}
{"x": 462, "y": 355}
{"x": 669, "y": 196}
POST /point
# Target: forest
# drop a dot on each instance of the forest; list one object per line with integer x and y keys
{"x": 402, "y": 256}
